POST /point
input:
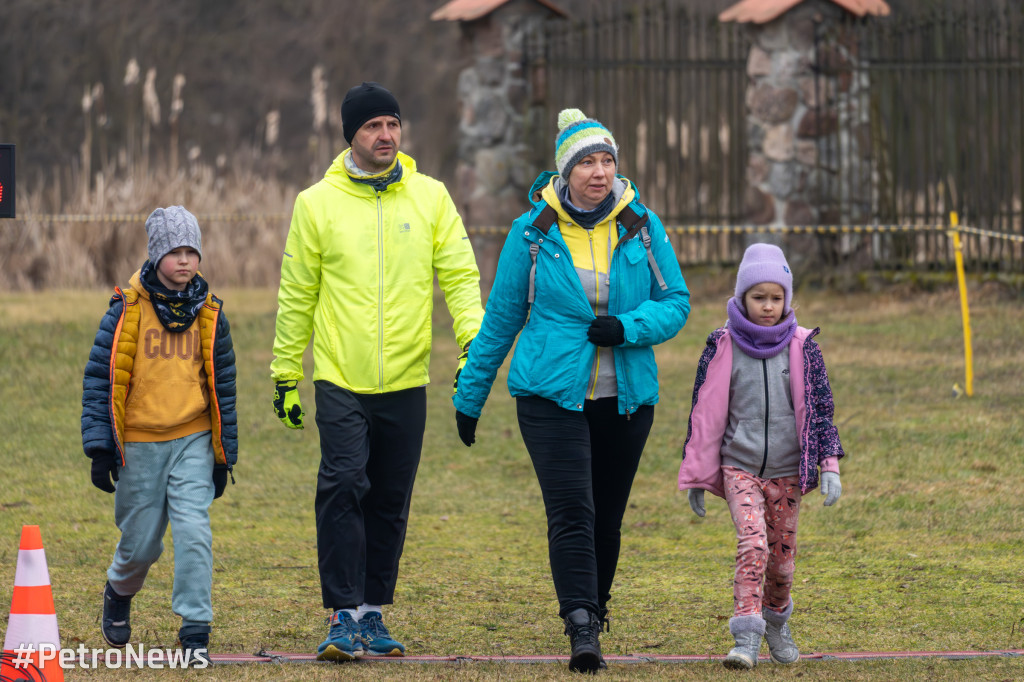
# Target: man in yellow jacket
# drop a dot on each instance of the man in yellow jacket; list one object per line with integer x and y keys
{"x": 358, "y": 274}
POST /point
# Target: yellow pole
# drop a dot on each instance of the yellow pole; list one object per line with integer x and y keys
{"x": 965, "y": 312}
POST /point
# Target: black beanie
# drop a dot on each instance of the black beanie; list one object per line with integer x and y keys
{"x": 364, "y": 102}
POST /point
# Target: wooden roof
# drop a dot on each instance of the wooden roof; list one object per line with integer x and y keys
{"x": 763, "y": 11}
{"x": 469, "y": 10}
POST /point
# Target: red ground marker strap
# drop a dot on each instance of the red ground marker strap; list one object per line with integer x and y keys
{"x": 289, "y": 657}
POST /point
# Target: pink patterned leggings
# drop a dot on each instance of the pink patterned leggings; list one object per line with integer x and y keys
{"x": 765, "y": 512}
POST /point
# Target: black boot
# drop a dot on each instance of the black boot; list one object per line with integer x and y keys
{"x": 605, "y": 625}
{"x": 583, "y": 629}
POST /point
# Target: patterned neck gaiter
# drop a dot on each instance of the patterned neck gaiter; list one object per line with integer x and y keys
{"x": 379, "y": 181}
{"x": 177, "y": 310}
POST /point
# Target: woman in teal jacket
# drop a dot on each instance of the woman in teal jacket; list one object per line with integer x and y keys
{"x": 589, "y": 278}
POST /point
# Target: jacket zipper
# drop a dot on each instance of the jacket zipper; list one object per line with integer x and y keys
{"x": 596, "y": 368}
{"x": 612, "y": 254}
{"x": 380, "y": 293}
{"x": 764, "y": 374}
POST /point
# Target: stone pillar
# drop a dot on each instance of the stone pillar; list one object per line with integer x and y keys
{"x": 500, "y": 97}
{"x": 804, "y": 128}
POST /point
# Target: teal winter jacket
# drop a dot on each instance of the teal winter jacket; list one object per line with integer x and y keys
{"x": 553, "y": 357}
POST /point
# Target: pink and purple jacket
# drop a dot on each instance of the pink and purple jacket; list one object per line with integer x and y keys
{"x": 709, "y": 414}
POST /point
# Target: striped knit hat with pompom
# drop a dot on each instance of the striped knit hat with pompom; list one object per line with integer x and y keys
{"x": 579, "y": 136}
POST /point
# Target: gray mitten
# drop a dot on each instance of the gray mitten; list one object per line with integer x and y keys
{"x": 831, "y": 488}
{"x": 695, "y": 496}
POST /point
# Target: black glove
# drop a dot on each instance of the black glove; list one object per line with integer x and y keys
{"x": 606, "y": 330}
{"x": 104, "y": 467}
{"x": 467, "y": 427}
{"x": 220, "y": 480}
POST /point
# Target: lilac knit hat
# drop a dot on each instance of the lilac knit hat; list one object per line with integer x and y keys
{"x": 764, "y": 263}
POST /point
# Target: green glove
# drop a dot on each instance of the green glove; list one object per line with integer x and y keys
{"x": 463, "y": 357}
{"x": 287, "y": 405}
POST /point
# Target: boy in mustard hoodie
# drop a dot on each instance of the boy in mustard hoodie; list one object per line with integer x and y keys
{"x": 158, "y": 417}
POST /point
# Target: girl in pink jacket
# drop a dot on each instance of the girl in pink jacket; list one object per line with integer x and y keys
{"x": 760, "y": 428}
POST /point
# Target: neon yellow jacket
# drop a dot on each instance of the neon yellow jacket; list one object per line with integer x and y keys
{"x": 358, "y": 274}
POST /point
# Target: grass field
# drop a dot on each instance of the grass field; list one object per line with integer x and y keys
{"x": 921, "y": 553}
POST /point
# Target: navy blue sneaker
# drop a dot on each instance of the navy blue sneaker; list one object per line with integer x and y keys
{"x": 377, "y": 641}
{"x": 343, "y": 642}
{"x": 117, "y": 623}
{"x": 195, "y": 642}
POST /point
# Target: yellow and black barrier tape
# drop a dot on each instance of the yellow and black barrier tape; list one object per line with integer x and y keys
{"x": 502, "y": 230}
{"x": 141, "y": 217}
{"x": 803, "y": 229}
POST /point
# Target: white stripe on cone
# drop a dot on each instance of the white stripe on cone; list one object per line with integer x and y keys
{"x": 32, "y": 570}
{"x": 31, "y": 628}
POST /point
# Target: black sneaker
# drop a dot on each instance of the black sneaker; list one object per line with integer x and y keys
{"x": 583, "y": 629}
{"x": 195, "y": 641}
{"x": 117, "y": 623}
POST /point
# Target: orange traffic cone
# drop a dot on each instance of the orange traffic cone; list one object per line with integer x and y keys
{"x": 32, "y": 643}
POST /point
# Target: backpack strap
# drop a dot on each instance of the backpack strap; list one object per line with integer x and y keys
{"x": 636, "y": 223}
{"x": 633, "y": 224}
{"x": 543, "y": 222}
{"x": 545, "y": 219}
{"x": 646, "y": 238}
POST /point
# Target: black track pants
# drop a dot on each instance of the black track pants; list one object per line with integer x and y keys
{"x": 370, "y": 448}
{"x": 585, "y": 463}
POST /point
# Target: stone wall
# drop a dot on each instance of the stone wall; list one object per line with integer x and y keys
{"x": 808, "y": 125}
{"x": 501, "y": 100}
{"x": 799, "y": 123}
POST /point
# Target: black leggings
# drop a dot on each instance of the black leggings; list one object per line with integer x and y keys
{"x": 369, "y": 451}
{"x": 585, "y": 463}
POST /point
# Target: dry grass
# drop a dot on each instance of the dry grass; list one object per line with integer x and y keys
{"x": 920, "y": 554}
{"x": 244, "y": 218}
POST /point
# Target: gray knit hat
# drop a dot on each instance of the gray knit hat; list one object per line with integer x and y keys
{"x": 170, "y": 228}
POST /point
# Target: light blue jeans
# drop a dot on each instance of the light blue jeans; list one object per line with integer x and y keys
{"x": 160, "y": 482}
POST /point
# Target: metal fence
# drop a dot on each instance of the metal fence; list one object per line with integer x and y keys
{"x": 670, "y": 83}
{"x": 946, "y": 92}
{"x": 943, "y": 97}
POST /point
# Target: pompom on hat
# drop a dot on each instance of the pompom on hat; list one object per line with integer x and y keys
{"x": 363, "y": 102}
{"x": 171, "y": 228}
{"x": 579, "y": 136}
{"x": 764, "y": 263}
